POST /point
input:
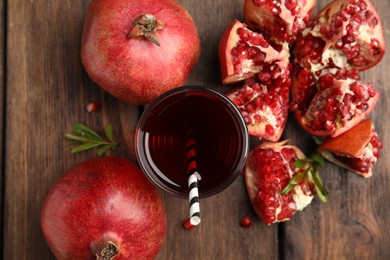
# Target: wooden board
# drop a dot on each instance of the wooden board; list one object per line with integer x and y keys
{"x": 47, "y": 91}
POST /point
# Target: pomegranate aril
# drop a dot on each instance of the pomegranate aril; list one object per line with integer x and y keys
{"x": 258, "y": 39}
{"x": 264, "y": 76}
{"x": 187, "y": 224}
{"x": 93, "y": 107}
{"x": 246, "y": 222}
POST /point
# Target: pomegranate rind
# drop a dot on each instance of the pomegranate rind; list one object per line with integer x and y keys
{"x": 353, "y": 144}
{"x": 228, "y": 41}
{"x": 299, "y": 199}
{"x": 350, "y": 143}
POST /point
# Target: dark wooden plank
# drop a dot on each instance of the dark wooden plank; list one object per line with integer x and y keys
{"x": 48, "y": 91}
{"x": 2, "y": 112}
{"x": 354, "y": 223}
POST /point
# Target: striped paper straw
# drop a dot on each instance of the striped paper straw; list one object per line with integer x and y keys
{"x": 193, "y": 178}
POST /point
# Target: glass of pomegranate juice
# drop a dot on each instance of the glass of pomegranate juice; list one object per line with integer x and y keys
{"x": 218, "y": 131}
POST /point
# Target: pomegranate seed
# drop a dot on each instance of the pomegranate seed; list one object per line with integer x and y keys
{"x": 187, "y": 224}
{"x": 264, "y": 76}
{"x": 246, "y": 222}
{"x": 269, "y": 129}
{"x": 92, "y": 107}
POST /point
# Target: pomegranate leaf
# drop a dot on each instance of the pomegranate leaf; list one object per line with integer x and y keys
{"x": 85, "y": 138}
{"x": 308, "y": 172}
{"x": 317, "y": 140}
{"x": 320, "y": 190}
{"x": 295, "y": 180}
{"x": 108, "y": 131}
{"x": 83, "y": 130}
{"x": 317, "y": 158}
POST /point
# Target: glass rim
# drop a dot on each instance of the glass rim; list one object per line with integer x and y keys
{"x": 140, "y": 150}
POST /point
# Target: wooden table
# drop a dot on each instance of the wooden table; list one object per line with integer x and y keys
{"x": 44, "y": 91}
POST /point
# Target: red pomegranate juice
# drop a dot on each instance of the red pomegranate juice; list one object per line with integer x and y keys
{"x": 221, "y": 140}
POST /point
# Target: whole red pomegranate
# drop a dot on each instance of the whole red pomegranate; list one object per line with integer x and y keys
{"x": 104, "y": 208}
{"x": 280, "y": 181}
{"x": 136, "y": 50}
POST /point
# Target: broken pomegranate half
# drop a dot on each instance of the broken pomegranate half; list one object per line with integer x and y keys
{"x": 243, "y": 53}
{"x": 281, "y": 20}
{"x": 333, "y": 103}
{"x": 280, "y": 181}
{"x": 346, "y": 34}
{"x": 356, "y": 150}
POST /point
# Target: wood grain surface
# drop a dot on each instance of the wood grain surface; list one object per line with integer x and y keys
{"x": 44, "y": 91}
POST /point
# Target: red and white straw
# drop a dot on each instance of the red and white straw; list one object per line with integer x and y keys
{"x": 193, "y": 178}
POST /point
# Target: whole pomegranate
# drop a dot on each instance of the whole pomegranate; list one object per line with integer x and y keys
{"x": 136, "y": 50}
{"x": 104, "y": 208}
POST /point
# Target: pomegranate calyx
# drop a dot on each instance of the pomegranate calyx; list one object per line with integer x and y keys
{"x": 146, "y": 25}
{"x": 108, "y": 252}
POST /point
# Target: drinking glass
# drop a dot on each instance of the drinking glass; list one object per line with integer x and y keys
{"x": 218, "y": 130}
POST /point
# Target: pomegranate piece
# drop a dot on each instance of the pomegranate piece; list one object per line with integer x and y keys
{"x": 346, "y": 33}
{"x": 281, "y": 20}
{"x": 280, "y": 181}
{"x": 243, "y": 53}
{"x": 356, "y": 150}
{"x": 332, "y": 104}
{"x": 263, "y": 106}
{"x": 263, "y": 99}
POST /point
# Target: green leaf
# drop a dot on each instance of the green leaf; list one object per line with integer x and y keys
{"x": 83, "y": 130}
{"x": 322, "y": 196}
{"x": 318, "y": 158}
{"x": 84, "y": 147}
{"x": 103, "y": 149}
{"x": 72, "y": 143}
{"x": 76, "y": 138}
{"x": 85, "y": 138}
{"x": 108, "y": 131}
{"x": 295, "y": 180}
{"x": 299, "y": 163}
{"x": 317, "y": 140}
{"x": 289, "y": 187}
{"x": 321, "y": 191}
